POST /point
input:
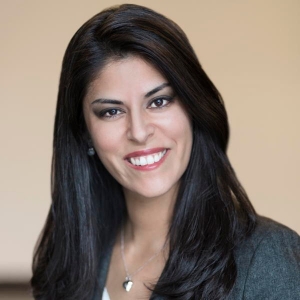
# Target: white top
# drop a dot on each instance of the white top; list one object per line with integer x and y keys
{"x": 105, "y": 295}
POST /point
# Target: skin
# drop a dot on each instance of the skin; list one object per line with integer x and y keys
{"x": 139, "y": 121}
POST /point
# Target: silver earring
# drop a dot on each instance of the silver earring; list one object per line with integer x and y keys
{"x": 91, "y": 151}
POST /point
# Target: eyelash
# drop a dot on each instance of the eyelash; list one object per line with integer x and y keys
{"x": 168, "y": 99}
{"x": 105, "y": 113}
{"x": 102, "y": 113}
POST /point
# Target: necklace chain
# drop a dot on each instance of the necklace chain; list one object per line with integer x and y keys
{"x": 129, "y": 276}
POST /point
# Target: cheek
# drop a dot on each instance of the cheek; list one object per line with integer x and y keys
{"x": 106, "y": 140}
{"x": 180, "y": 128}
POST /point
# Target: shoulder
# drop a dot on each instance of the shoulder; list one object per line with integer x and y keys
{"x": 268, "y": 263}
{"x": 270, "y": 236}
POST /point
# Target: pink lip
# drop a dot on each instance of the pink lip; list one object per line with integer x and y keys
{"x": 144, "y": 152}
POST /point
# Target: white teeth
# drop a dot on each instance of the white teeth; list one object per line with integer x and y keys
{"x": 143, "y": 161}
{"x": 147, "y": 160}
{"x": 150, "y": 159}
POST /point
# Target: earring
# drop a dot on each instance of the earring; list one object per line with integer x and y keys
{"x": 91, "y": 151}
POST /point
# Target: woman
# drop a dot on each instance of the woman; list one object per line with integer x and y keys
{"x": 145, "y": 203}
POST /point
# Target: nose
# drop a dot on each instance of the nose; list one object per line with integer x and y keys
{"x": 139, "y": 128}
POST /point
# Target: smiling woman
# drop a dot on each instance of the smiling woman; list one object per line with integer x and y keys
{"x": 145, "y": 203}
{"x": 146, "y": 129}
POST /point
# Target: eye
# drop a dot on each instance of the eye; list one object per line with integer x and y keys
{"x": 110, "y": 113}
{"x": 159, "y": 103}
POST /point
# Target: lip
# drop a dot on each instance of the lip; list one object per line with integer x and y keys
{"x": 144, "y": 152}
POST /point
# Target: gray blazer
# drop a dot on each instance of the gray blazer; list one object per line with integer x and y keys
{"x": 268, "y": 265}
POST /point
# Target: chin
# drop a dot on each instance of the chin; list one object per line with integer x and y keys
{"x": 151, "y": 193}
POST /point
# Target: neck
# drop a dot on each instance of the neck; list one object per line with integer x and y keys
{"x": 148, "y": 219}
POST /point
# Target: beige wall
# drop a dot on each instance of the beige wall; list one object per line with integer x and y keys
{"x": 251, "y": 50}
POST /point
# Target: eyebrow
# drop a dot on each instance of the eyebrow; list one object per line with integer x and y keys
{"x": 118, "y": 102}
{"x": 109, "y": 101}
{"x": 157, "y": 89}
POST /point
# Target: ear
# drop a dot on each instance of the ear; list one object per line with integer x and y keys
{"x": 87, "y": 137}
{"x": 90, "y": 142}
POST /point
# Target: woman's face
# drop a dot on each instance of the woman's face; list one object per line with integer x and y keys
{"x": 138, "y": 127}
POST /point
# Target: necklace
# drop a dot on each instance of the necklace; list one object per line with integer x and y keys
{"x": 128, "y": 283}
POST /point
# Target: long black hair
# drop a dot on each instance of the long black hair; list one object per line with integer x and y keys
{"x": 212, "y": 214}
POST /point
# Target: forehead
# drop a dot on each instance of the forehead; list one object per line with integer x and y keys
{"x": 127, "y": 75}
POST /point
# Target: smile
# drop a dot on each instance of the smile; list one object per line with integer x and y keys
{"x": 148, "y": 159}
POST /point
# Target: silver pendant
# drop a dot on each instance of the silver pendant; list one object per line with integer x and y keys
{"x": 127, "y": 285}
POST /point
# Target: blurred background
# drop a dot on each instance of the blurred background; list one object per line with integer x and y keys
{"x": 251, "y": 51}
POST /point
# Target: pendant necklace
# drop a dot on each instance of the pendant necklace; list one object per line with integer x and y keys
{"x": 128, "y": 283}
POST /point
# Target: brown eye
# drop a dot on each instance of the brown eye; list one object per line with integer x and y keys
{"x": 110, "y": 113}
{"x": 159, "y": 103}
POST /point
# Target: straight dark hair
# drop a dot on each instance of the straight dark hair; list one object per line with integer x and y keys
{"x": 212, "y": 214}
